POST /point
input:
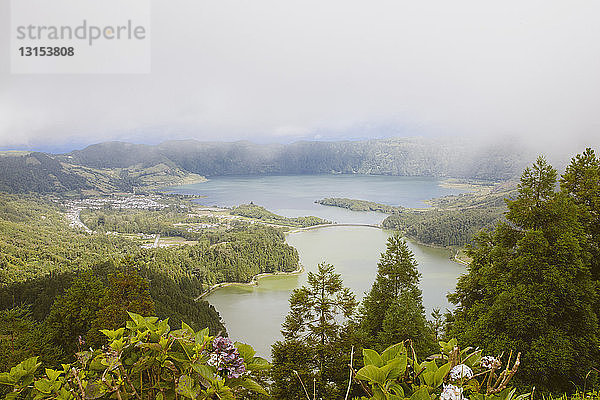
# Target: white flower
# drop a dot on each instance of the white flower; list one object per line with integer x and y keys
{"x": 490, "y": 362}
{"x": 213, "y": 360}
{"x": 461, "y": 371}
{"x": 451, "y": 392}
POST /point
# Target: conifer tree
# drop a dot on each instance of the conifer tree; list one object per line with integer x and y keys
{"x": 317, "y": 338}
{"x": 126, "y": 292}
{"x": 581, "y": 181}
{"x": 392, "y": 310}
{"x": 529, "y": 287}
{"x": 72, "y": 313}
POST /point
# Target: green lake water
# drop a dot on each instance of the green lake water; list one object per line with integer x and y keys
{"x": 254, "y": 314}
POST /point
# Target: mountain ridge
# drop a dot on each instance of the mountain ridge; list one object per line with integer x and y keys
{"x": 393, "y": 156}
{"x": 125, "y": 167}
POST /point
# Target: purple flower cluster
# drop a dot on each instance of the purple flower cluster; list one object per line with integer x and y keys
{"x": 225, "y": 357}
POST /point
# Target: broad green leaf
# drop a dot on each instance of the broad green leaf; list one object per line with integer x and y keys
{"x": 421, "y": 394}
{"x": 393, "y": 351}
{"x": 246, "y": 351}
{"x": 185, "y": 387}
{"x": 371, "y": 357}
{"x": 428, "y": 377}
{"x": 252, "y": 385}
{"x": 117, "y": 345}
{"x": 430, "y": 365}
{"x": 163, "y": 326}
{"x": 11, "y": 396}
{"x": 96, "y": 365}
{"x": 440, "y": 374}
{"x": 188, "y": 348}
{"x": 178, "y": 356}
{"x": 258, "y": 364}
{"x": 64, "y": 394}
{"x": 224, "y": 393}
{"x": 394, "y": 368}
{"x": 138, "y": 319}
{"x": 378, "y": 394}
{"x": 397, "y": 389}
{"x": 186, "y": 327}
{"x": 17, "y": 372}
{"x": 201, "y": 335}
{"x": 43, "y": 385}
{"x": 95, "y": 391}
{"x": 52, "y": 374}
{"x": 30, "y": 365}
{"x": 204, "y": 370}
{"x": 371, "y": 374}
{"x": 110, "y": 334}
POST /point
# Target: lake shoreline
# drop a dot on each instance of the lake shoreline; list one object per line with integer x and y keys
{"x": 301, "y": 269}
{"x": 253, "y": 281}
{"x": 409, "y": 238}
{"x": 308, "y": 228}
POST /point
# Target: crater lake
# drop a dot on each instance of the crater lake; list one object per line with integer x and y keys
{"x": 253, "y": 314}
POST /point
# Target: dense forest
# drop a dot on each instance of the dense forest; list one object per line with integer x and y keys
{"x": 47, "y": 268}
{"x": 37, "y": 172}
{"x": 376, "y": 351}
{"x": 444, "y": 227}
{"x": 260, "y": 213}
{"x": 34, "y": 172}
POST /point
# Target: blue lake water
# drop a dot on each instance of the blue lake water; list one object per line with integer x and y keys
{"x": 295, "y": 195}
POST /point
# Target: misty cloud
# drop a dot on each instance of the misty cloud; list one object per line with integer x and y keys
{"x": 273, "y": 70}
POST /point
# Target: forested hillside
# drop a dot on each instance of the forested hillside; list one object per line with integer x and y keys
{"x": 451, "y": 221}
{"x": 262, "y": 214}
{"x": 37, "y": 172}
{"x": 49, "y": 271}
{"x": 405, "y": 157}
{"x": 43, "y": 173}
{"x": 126, "y": 167}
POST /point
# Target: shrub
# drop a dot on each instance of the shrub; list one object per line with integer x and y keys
{"x": 453, "y": 374}
{"x": 144, "y": 359}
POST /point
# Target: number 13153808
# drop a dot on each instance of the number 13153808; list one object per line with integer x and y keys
{"x": 46, "y": 51}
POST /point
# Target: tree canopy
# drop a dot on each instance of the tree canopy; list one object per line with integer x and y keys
{"x": 530, "y": 283}
{"x": 392, "y": 311}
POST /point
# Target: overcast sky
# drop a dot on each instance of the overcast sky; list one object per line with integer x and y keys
{"x": 278, "y": 70}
